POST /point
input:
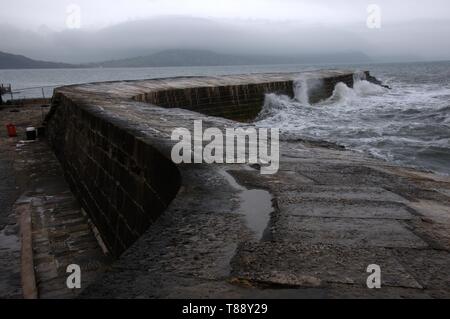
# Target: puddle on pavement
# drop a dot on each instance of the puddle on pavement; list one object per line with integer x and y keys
{"x": 255, "y": 205}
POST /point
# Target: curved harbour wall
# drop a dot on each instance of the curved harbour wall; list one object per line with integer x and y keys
{"x": 113, "y": 139}
{"x": 241, "y": 102}
{"x": 123, "y": 182}
{"x": 334, "y": 211}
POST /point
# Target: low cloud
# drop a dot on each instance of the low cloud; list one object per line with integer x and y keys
{"x": 427, "y": 39}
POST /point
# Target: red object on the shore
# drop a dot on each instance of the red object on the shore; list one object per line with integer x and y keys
{"x": 11, "y": 130}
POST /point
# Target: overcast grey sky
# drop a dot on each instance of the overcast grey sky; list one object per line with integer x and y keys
{"x": 39, "y": 27}
{"x": 100, "y": 13}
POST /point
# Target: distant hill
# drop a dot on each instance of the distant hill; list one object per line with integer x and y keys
{"x": 13, "y": 61}
{"x": 182, "y": 57}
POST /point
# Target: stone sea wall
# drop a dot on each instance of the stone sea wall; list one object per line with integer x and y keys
{"x": 107, "y": 137}
{"x": 241, "y": 102}
{"x": 121, "y": 181}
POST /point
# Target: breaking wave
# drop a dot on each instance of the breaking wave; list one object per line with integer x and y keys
{"x": 409, "y": 124}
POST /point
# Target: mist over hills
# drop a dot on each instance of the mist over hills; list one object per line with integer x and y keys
{"x": 180, "y": 57}
{"x": 258, "y": 39}
{"x": 145, "y": 37}
{"x": 14, "y": 61}
{"x": 186, "y": 57}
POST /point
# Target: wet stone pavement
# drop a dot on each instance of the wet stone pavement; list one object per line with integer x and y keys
{"x": 10, "y": 285}
{"x": 33, "y": 184}
{"x": 329, "y": 222}
{"x": 61, "y": 233}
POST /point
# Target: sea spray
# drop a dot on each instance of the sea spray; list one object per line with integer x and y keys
{"x": 301, "y": 91}
{"x": 365, "y": 88}
{"x": 359, "y": 76}
{"x": 305, "y": 88}
{"x": 408, "y": 124}
{"x": 275, "y": 105}
{"x": 344, "y": 95}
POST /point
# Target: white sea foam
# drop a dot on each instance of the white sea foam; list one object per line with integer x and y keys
{"x": 301, "y": 91}
{"x": 408, "y": 124}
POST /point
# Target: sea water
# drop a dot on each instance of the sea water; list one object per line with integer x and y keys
{"x": 408, "y": 124}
